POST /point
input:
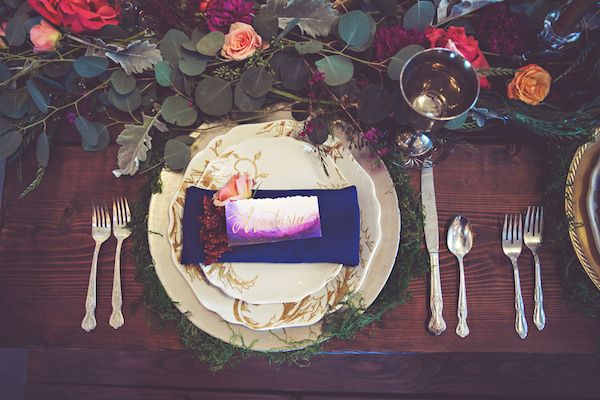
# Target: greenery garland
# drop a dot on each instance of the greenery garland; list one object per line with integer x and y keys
{"x": 411, "y": 262}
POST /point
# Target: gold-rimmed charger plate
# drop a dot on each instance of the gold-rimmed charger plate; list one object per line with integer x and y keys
{"x": 580, "y": 227}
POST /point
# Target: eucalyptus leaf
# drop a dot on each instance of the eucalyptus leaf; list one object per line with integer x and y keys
{"x": 103, "y": 139}
{"x": 256, "y": 81}
{"x": 122, "y": 83}
{"x": 190, "y": 45}
{"x": 9, "y": 143}
{"x": 319, "y": 132}
{"x": 400, "y": 58}
{"x": 386, "y": 7}
{"x": 210, "y": 44}
{"x": 50, "y": 83}
{"x": 419, "y": 16}
{"x": 246, "y": 103}
{"x": 310, "y": 47}
{"x": 5, "y": 73}
{"x": 163, "y": 73}
{"x": 373, "y": 104}
{"x": 457, "y": 122}
{"x": 87, "y": 130}
{"x": 90, "y": 66}
{"x": 139, "y": 56}
{"x": 177, "y": 154}
{"x": 337, "y": 69}
{"x": 14, "y": 104}
{"x": 40, "y": 98}
{"x": 187, "y": 139}
{"x": 295, "y": 74}
{"x": 42, "y": 150}
{"x": 56, "y": 70}
{"x": 354, "y": 28}
{"x": 177, "y": 110}
{"x": 192, "y": 64}
{"x": 214, "y": 96}
{"x": 15, "y": 32}
{"x": 126, "y": 103}
{"x": 170, "y": 46}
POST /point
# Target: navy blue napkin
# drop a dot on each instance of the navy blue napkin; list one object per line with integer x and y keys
{"x": 340, "y": 227}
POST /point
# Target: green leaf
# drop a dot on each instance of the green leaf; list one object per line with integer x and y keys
{"x": 177, "y": 110}
{"x": 177, "y": 154}
{"x": 457, "y": 122}
{"x": 9, "y": 143}
{"x": 310, "y": 47}
{"x": 14, "y": 104}
{"x": 355, "y": 28}
{"x": 126, "y": 103}
{"x": 210, "y": 44}
{"x": 38, "y": 96}
{"x": 16, "y": 33}
{"x": 103, "y": 139}
{"x": 373, "y": 104}
{"x": 5, "y": 125}
{"x": 49, "y": 83}
{"x": 87, "y": 130}
{"x": 386, "y": 7}
{"x": 163, "y": 73}
{"x": 122, "y": 83}
{"x": 192, "y": 64}
{"x": 214, "y": 96}
{"x": 295, "y": 74}
{"x": 5, "y": 73}
{"x": 256, "y": 81}
{"x": 419, "y": 16}
{"x": 337, "y": 69}
{"x": 246, "y": 103}
{"x": 42, "y": 150}
{"x": 90, "y": 66}
{"x": 400, "y": 58}
{"x": 320, "y": 131}
{"x": 170, "y": 45}
{"x": 56, "y": 70}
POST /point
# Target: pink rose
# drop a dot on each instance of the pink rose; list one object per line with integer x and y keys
{"x": 242, "y": 42}
{"x": 44, "y": 37}
{"x": 239, "y": 187}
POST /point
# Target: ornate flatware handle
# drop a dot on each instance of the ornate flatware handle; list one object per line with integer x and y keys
{"x": 89, "y": 320}
{"x": 462, "y": 329}
{"x": 437, "y": 325}
{"x": 520, "y": 321}
{"x": 539, "y": 316}
{"x": 116, "y": 318}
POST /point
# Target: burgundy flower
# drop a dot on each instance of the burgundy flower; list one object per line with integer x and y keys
{"x": 220, "y": 14}
{"x": 390, "y": 39}
{"x": 499, "y": 30}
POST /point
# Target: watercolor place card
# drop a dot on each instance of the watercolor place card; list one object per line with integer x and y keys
{"x": 255, "y": 221}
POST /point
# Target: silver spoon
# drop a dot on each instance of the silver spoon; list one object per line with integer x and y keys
{"x": 460, "y": 242}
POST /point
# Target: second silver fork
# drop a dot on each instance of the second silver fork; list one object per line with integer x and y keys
{"x": 534, "y": 224}
{"x": 512, "y": 243}
{"x": 121, "y": 217}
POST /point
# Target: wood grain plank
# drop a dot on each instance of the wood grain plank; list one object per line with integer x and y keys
{"x": 468, "y": 374}
{"x": 13, "y": 373}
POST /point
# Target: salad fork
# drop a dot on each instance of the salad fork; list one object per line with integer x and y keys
{"x": 533, "y": 239}
{"x": 512, "y": 243}
{"x": 121, "y": 218}
{"x": 100, "y": 233}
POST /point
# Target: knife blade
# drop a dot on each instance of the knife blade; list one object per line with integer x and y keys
{"x": 437, "y": 325}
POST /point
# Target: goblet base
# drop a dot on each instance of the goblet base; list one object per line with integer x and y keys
{"x": 418, "y": 147}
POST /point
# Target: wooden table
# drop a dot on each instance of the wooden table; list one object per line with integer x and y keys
{"x": 45, "y": 255}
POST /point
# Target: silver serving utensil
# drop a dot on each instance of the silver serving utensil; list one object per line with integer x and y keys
{"x": 460, "y": 242}
{"x": 437, "y": 325}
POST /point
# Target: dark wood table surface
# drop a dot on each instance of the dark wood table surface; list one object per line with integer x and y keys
{"x": 45, "y": 256}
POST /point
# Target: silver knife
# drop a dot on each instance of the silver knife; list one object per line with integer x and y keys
{"x": 437, "y": 325}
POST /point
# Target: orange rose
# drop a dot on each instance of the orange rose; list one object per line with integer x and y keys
{"x": 44, "y": 37}
{"x": 242, "y": 42}
{"x": 239, "y": 187}
{"x": 531, "y": 84}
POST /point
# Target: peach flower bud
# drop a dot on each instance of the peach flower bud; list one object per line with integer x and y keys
{"x": 239, "y": 187}
{"x": 531, "y": 84}
{"x": 242, "y": 42}
{"x": 44, "y": 37}
{"x": 3, "y": 34}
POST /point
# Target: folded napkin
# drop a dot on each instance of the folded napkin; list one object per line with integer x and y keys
{"x": 340, "y": 227}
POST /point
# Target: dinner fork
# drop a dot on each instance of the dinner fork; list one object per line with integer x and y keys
{"x": 121, "y": 217}
{"x": 100, "y": 233}
{"x": 512, "y": 242}
{"x": 534, "y": 223}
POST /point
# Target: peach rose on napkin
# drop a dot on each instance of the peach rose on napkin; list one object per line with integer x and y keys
{"x": 44, "y": 37}
{"x": 239, "y": 187}
{"x": 242, "y": 42}
{"x": 531, "y": 85}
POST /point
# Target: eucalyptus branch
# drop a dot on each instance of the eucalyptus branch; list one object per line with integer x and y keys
{"x": 303, "y": 99}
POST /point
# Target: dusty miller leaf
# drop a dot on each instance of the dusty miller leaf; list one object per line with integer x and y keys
{"x": 137, "y": 57}
{"x": 317, "y": 17}
{"x": 135, "y": 141}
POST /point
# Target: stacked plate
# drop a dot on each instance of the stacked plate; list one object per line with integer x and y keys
{"x": 263, "y": 305}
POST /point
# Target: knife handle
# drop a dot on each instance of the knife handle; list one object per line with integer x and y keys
{"x": 437, "y": 325}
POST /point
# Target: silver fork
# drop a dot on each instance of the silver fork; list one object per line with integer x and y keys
{"x": 534, "y": 223}
{"x": 512, "y": 242}
{"x": 100, "y": 233}
{"x": 121, "y": 217}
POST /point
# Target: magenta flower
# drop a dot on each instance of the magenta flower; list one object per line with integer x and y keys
{"x": 499, "y": 30}
{"x": 390, "y": 39}
{"x": 220, "y": 14}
